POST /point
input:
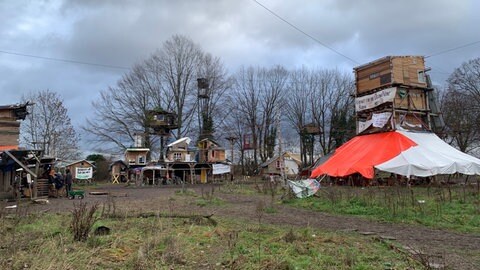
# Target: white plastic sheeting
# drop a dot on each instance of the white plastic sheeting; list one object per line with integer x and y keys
{"x": 431, "y": 156}
{"x": 304, "y": 188}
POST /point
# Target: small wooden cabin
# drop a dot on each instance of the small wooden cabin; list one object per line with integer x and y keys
{"x": 210, "y": 151}
{"x": 136, "y": 156}
{"x": 119, "y": 171}
{"x": 391, "y": 70}
{"x": 290, "y": 163}
{"x": 84, "y": 167}
{"x": 178, "y": 151}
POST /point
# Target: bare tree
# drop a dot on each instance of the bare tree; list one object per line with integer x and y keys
{"x": 48, "y": 126}
{"x": 460, "y": 106}
{"x": 460, "y": 113}
{"x": 272, "y": 84}
{"x": 246, "y": 105}
{"x": 121, "y": 111}
{"x": 466, "y": 79}
{"x": 332, "y": 108}
{"x": 178, "y": 63}
{"x": 167, "y": 81}
{"x": 257, "y": 101}
{"x": 302, "y": 83}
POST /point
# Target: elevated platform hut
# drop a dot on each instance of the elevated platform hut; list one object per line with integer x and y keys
{"x": 19, "y": 168}
{"x": 118, "y": 171}
{"x": 211, "y": 160}
{"x": 394, "y": 92}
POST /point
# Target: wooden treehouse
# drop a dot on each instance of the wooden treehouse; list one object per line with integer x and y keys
{"x": 162, "y": 122}
{"x": 392, "y": 93}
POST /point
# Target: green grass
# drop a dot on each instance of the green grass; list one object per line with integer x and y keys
{"x": 457, "y": 209}
{"x": 45, "y": 242}
{"x": 209, "y": 201}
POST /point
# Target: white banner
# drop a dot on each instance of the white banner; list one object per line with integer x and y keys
{"x": 375, "y": 99}
{"x": 380, "y": 119}
{"x": 220, "y": 168}
{"x": 84, "y": 173}
{"x": 362, "y": 125}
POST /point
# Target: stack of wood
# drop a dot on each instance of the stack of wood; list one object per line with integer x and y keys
{"x": 392, "y": 93}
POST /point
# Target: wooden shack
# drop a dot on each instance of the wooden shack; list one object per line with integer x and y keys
{"x": 391, "y": 70}
{"x": 136, "y": 156}
{"x": 119, "y": 171}
{"x": 289, "y": 163}
{"x": 210, "y": 151}
{"x": 178, "y": 151}
{"x": 81, "y": 170}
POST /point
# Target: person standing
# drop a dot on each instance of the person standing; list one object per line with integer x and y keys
{"x": 68, "y": 181}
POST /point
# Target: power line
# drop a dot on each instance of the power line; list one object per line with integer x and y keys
{"x": 452, "y": 49}
{"x": 303, "y": 32}
{"x": 63, "y": 60}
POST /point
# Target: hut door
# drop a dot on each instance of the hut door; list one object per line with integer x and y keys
{"x": 203, "y": 176}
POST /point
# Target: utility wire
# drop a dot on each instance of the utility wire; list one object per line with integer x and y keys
{"x": 303, "y": 32}
{"x": 452, "y": 49}
{"x": 64, "y": 60}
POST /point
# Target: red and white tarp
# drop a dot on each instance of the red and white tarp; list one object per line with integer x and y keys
{"x": 400, "y": 152}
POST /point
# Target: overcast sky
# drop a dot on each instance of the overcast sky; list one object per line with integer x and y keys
{"x": 240, "y": 32}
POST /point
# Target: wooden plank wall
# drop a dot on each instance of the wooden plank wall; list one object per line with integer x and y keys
{"x": 7, "y": 114}
{"x": 9, "y": 132}
{"x": 406, "y": 68}
{"x": 369, "y": 78}
{"x": 415, "y": 99}
{"x": 394, "y": 70}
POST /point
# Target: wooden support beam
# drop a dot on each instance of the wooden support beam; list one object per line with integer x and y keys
{"x": 21, "y": 164}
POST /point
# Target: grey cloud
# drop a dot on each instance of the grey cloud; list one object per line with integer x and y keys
{"x": 121, "y": 32}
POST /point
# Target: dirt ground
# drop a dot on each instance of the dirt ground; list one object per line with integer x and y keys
{"x": 448, "y": 250}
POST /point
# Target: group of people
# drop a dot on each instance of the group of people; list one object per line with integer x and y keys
{"x": 58, "y": 180}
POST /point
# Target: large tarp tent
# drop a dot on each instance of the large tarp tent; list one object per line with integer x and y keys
{"x": 401, "y": 152}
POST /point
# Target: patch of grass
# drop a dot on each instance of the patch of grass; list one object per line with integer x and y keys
{"x": 170, "y": 243}
{"x": 186, "y": 192}
{"x": 237, "y": 188}
{"x": 455, "y": 209}
{"x": 270, "y": 210}
{"x": 209, "y": 201}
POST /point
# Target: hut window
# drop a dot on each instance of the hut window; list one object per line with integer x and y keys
{"x": 141, "y": 159}
{"x": 177, "y": 156}
{"x": 386, "y": 78}
{"x": 421, "y": 76}
{"x": 279, "y": 164}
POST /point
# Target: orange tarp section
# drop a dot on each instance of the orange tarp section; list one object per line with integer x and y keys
{"x": 8, "y": 147}
{"x": 361, "y": 153}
